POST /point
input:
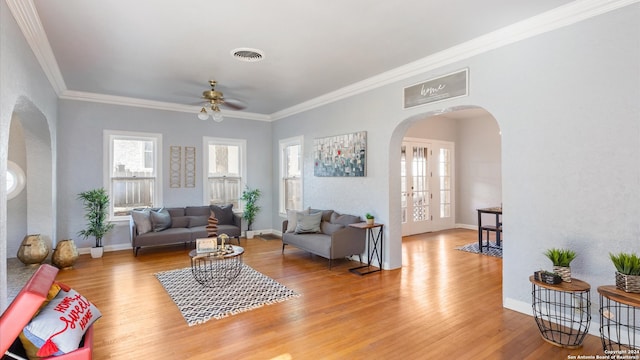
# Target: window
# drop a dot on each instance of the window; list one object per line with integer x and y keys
{"x": 16, "y": 180}
{"x": 291, "y": 174}
{"x": 132, "y": 173}
{"x": 444, "y": 164}
{"x": 224, "y": 164}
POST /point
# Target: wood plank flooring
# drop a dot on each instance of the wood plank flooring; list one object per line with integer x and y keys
{"x": 442, "y": 304}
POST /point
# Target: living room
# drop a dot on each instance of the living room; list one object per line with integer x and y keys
{"x": 569, "y": 145}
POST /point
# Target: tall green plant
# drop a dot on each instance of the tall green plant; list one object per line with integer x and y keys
{"x": 96, "y": 206}
{"x": 251, "y": 209}
{"x": 560, "y": 257}
{"x": 626, "y": 263}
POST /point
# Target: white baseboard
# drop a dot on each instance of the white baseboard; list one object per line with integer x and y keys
{"x": 467, "y": 226}
{"x": 525, "y": 308}
{"x": 107, "y": 248}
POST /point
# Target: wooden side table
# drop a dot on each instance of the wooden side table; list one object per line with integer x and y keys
{"x": 619, "y": 320}
{"x": 374, "y": 247}
{"x": 562, "y": 311}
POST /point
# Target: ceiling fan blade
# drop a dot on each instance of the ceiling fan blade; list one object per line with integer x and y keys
{"x": 234, "y": 104}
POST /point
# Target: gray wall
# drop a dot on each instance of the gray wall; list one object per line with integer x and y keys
{"x": 80, "y": 158}
{"x": 567, "y": 105}
{"x": 26, "y": 92}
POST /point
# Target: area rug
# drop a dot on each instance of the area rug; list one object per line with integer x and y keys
{"x": 199, "y": 304}
{"x": 473, "y": 248}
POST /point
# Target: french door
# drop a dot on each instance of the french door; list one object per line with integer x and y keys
{"x": 427, "y": 186}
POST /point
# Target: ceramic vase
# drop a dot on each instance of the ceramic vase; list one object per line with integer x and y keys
{"x": 65, "y": 254}
{"x": 97, "y": 252}
{"x": 370, "y": 221}
{"x": 33, "y": 250}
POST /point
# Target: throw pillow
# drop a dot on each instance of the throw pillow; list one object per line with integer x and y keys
{"x": 308, "y": 223}
{"x": 60, "y": 325}
{"x": 30, "y": 349}
{"x": 292, "y": 218}
{"x": 142, "y": 219}
{"x": 160, "y": 220}
{"x": 344, "y": 219}
{"x": 224, "y": 214}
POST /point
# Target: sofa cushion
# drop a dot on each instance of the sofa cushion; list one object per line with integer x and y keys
{"x": 142, "y": 219}
{"x": 224, "y": 214}
{"x": 326, "y": 214}
{"x": 180, "y": 221}
{"x": 344, "y": 219}
{"x": 197, "y": 210}
{"x": 160, "y": 220}
{"x": 176, "y": 211}
{"x": 59, "y": 326}
{"x": 308, "y": 223}
{"x": 329, "y": 228}
{"x": 200, "y": 220}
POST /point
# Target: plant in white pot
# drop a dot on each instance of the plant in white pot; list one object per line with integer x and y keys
{"x": 628, "y": 274}
{"x": 370, "y": 218}
{"x": 561, "y": 259}
{"x": 251, "y": 209}
{"x": 96, "y": 206}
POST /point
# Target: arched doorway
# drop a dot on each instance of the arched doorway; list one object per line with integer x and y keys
{"x": 477, "y": 177}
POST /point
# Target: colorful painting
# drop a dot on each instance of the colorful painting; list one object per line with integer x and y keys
{"x": 341, "y": 155}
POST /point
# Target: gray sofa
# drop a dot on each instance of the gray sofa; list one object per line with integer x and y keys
{"x": 333, "y": 239}
{"x": 153, "y": 227}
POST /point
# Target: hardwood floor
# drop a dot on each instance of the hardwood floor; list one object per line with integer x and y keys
{"x": 442, "y": 304}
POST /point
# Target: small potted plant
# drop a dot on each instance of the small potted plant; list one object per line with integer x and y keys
{"x": 96, "y": 205}
{"x": 251, "y": 209}
{"x": 628, "y": 271}
{"x": 561, "y": 259}
{"x": 370, "y": 218}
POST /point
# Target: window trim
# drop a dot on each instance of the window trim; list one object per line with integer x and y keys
{"x": 107, "y": 151}
{"x": 283, "y": 143}
{"x": 208, "y": 140}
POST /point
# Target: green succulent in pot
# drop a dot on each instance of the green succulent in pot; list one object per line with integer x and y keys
{"x": 628, "y": 271}
{"x": 561, "y": 259}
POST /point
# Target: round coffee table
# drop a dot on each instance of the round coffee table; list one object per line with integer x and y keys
{"x": 217, "y": 269}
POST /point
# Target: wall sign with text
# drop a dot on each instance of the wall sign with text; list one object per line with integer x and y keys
{"x": 445, "y": 87}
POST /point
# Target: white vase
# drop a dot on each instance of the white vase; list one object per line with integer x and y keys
{"x": 97, "y": 252}
{"x": 249, "y": 234}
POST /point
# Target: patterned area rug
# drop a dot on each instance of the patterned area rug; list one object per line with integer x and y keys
{"x": 198, "y": 304}
{"x": 473, "y": 248}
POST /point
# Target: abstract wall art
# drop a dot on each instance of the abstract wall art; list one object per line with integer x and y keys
{"x": 340, "y": 155}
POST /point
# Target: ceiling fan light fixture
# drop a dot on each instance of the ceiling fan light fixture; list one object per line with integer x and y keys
{"x": 217, "y": 116}
{"x": 203, "y": 115}
{"x": 247, "y": 54}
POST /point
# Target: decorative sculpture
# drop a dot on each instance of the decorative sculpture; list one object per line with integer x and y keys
{"x": 212, "y": 226}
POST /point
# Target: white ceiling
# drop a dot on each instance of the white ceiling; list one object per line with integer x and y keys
{"x": 164, "y": 51}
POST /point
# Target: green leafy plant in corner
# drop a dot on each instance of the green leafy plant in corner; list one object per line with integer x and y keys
{"x": 626, "y": 263}
{"x": 368, "y": 216}
{"x": 251, "y": 209}
{"x": 96, "y": 206}
{"x": 560, "y": 257}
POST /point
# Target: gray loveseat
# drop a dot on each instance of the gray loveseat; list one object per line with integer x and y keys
{"x": 333, "y": 238}
{"x": 152, "y": 227}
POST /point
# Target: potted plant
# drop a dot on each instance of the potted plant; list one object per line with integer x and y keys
{"x": 628, "y": 271}
{"x": 370, "y": 218}
{"x": 561, "y": 259}
{"x": 251, "y": 209}
{"x": 96, "y": 205}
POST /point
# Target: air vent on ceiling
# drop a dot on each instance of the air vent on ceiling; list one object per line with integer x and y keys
{"x": 247, "y": 54}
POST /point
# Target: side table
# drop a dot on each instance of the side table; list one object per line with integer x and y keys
{"x": 619, "y": 319}
{"x": 374, "y": 247}
{"x": 562, "y": 311}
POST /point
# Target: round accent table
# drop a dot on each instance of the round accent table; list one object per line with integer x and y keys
{"x": 217, "y": 270}
{"x": 562, "y": 311}
{"x": 619, "y": 320}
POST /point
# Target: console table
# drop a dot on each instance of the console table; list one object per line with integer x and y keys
{"x": 374, "y": 247}
{"x": 562, "y": 311}
{"x": 619, "y": 320}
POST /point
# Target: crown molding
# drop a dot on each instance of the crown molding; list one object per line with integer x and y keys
{"x": 548, "y": 21}
{"x": 26, "y": 15}
{"x": 152, "y": 104}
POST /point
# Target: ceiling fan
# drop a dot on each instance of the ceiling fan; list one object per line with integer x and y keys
{"x": 214, "y": 100}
